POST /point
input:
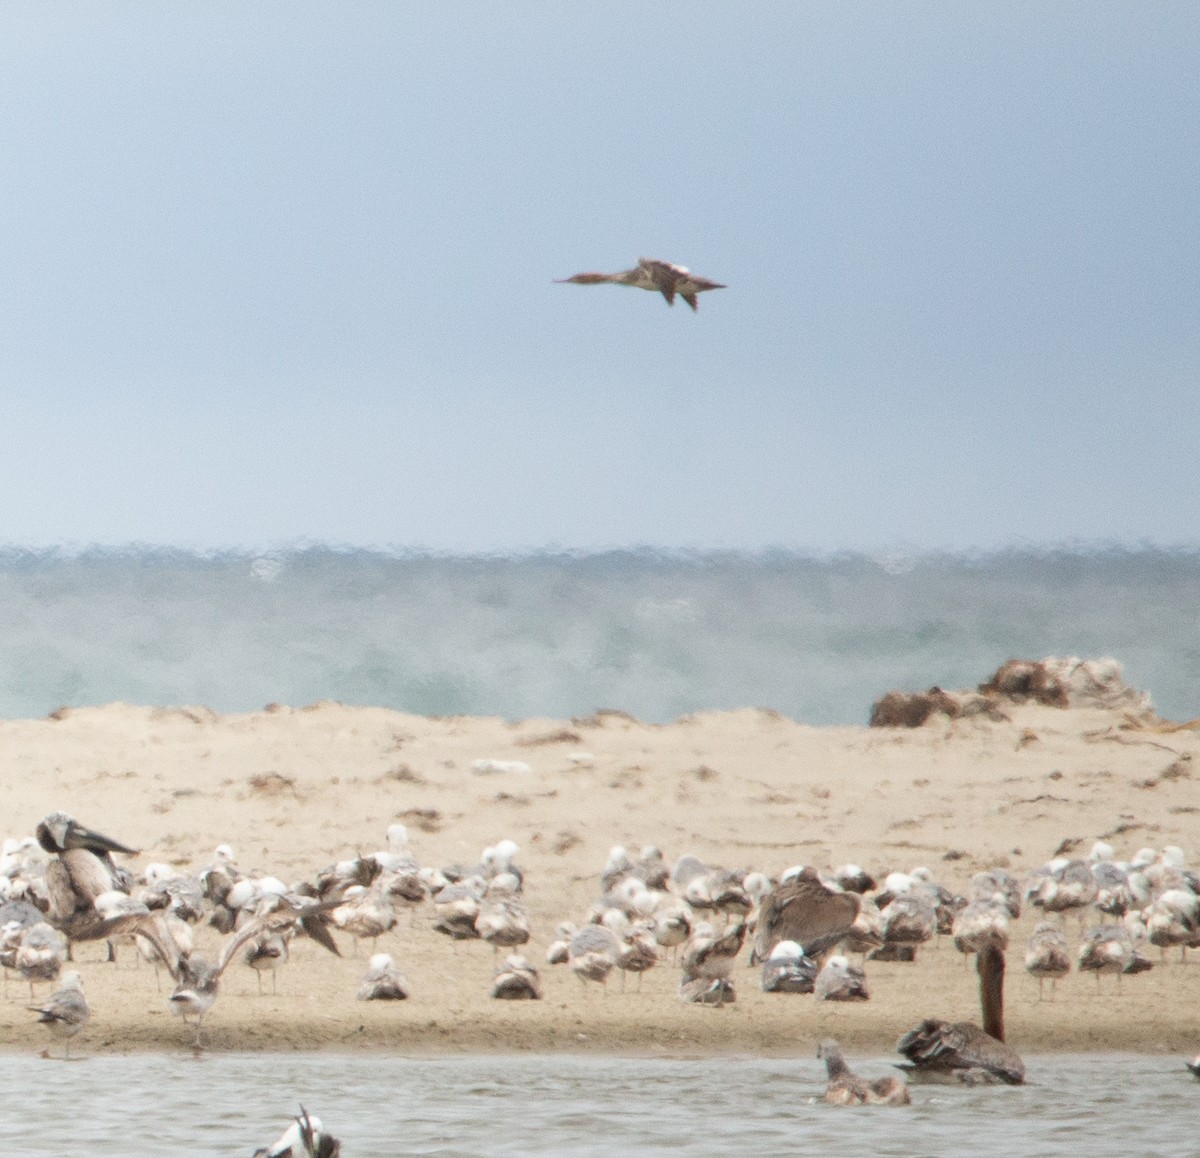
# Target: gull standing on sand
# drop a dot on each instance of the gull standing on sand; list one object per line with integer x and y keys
{"x": 40, "y": 953}
{"x": 1047, "y": 955}
{"x": 593, "y": 953}
{"x": 66, "y": 1011}
{"x": 662, "y": 277}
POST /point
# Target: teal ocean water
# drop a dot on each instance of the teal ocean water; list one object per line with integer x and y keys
{"x": 818, "y": 638}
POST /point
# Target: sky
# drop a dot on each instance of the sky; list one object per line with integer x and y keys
{"x": 282, "y": 272}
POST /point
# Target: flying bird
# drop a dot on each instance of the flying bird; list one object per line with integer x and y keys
{"x": 662, "y": 277}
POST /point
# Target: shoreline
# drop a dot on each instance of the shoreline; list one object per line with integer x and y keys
{"x": 295, "y": 789}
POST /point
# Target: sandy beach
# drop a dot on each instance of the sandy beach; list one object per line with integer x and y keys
{"x": 294, "y": 790}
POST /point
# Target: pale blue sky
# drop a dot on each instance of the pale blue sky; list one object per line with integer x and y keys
{"x": 281, "y": 271}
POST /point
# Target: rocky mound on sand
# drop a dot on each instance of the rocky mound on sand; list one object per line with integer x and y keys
{"x": 1055, "y": 681}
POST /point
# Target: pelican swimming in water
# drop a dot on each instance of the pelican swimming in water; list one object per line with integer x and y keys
{"x": 80, "y": 870}
{"x": 961, "y": 1051}
{"x": 846, "y": 1088}
{"x": 662, "y": 277}
{"x": 304, "y": 1138}
{"x": 66, "y": 1011}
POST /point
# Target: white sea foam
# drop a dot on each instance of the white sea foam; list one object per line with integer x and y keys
{"x": 657, "y": 635}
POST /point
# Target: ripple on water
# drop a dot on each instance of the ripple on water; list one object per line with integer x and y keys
{"x": 227, "y": 1104}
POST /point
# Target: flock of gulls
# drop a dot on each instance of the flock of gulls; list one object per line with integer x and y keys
{"x": 800, "y": 930}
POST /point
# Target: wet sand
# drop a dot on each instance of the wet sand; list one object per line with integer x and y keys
{"x": 295, "y": 789}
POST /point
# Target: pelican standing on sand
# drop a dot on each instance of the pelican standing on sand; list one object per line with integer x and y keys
{"x": 82, "y": 869}
{"x": 66, "y": 1011}
{"x": 662, "y": 277}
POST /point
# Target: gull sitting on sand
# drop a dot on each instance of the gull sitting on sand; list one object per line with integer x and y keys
{"x": 66, "y": 1011}
{"x": 841, "y": 981}
{"x": 383, "y": 981}
{"x": 788, "y": 970}
{"x": 517, "y": 980}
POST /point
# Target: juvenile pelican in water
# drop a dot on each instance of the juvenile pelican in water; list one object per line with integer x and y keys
{"x": 66, "y": 1011}
{"x": 846, "y": 1088}
{"x": 662, "y": 277}
{"x": 304, "y": 1138}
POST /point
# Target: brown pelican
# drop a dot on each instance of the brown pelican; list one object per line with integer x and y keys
{"x": 803, "y": 910}
{"x": 304, "y": 1138}
{"x": 517, "y": 980}
{"x": 846, "y": 1088}
{"x": 662, "y": 277}
{"x": 961, "y": 1051}
{"x": 82, "y": 869}
{"x": 1047, "y": 955}
{"x": 383, "y": 981}
{"x": 66, "y": 1011}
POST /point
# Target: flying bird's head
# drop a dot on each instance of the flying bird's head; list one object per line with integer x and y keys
{"x": 585, "y": 279}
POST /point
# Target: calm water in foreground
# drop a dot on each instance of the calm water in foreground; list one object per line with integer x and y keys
{"x": 386, "y": 1106}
